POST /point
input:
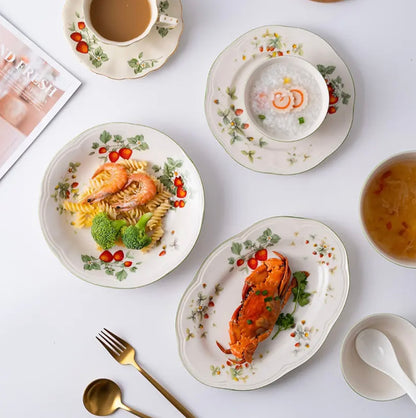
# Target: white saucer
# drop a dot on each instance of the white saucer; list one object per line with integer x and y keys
{"x": 120, "y": 62}
{"x": 367, "y": 381}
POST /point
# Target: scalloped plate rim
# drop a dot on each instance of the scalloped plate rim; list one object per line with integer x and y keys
{"x": 328, "y": 324}
{"x": 43, "y": 202}
{"x": 95, "y": 71}
{"x": 208, "y": 88}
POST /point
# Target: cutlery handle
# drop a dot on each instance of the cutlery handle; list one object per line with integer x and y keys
{"x": 164, "y": 392}
{"x": 406, "y": 383}
{"x": 134, "y": 412}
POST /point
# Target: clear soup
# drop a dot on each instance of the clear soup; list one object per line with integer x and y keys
{"x": 389, "y": 209}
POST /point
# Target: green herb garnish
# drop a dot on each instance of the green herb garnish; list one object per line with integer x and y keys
{"x": 249, "y": 321}
{"x": 300, "y": 297}
{"x": 285, "y": 321}
{"x": 268, "y": 299}
{"x": 258, "y": 292}
{"x": 301, "y": 120}
{"x": 265, "y": 292}
{"x": 268, "y": 308}
{"x": 261, "y": 117}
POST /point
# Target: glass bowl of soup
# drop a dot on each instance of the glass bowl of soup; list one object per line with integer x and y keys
{"x": 388, "y": 209}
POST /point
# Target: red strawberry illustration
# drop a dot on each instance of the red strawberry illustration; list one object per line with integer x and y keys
{"x": 76, "y": 36}
{"x": 176, "y": 204}
{"x": 82, "y": 47}
{"x": 239, "y": 112}
{"x": 261, "y": 49}
{"x": 332, "y": 99}
{"x": 245, "y": 125}
{"x": 181, "y": 192}
{"x": 74, "y": 185}
{"x": 252, "y": 263}
{"x": 102, "y": 150}
{"x": 332, "y": 110}
{"x": 118, "y": 255}
{"x": 81, "y": 25}
{"x": 330, "y": 88}
{"x": 280, "y": 53}
{"x": 178, "y": 182}
{"x": 127, "y": 263}
{"x": 162, "y": 253}
{"x": 125, "y": 153}
{"x": 261, "y": 255}
{"x": 181, "y": 203}
{"x": 113, "y": 156}
{"x": 240, "y": 262}
{"x": 106, "y": 256}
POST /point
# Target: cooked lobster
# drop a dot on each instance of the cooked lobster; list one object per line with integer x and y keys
{"x": 266, "y": 291}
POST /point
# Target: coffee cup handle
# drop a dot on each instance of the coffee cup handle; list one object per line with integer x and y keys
{"x": 167, "y": 21}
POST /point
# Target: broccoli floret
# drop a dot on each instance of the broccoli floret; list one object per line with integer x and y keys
{"x": 105, "y": 231}
{"x": 134, "y": 236}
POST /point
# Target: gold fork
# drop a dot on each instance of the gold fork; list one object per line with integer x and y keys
{"x": 124, "y": 353}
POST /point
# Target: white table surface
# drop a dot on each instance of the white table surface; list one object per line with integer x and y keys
{"x": 48, "y": 318}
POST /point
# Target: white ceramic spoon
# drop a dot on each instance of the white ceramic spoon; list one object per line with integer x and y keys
{"x": 376, "y": 350}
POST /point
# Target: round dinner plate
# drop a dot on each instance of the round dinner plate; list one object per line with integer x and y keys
{"x": 227, "y": 114}
{"x": 120, "y": 62}
{"x": 364, "y": 379}
{"x": 69, "y": 173}
{"x": 210, "y": 300}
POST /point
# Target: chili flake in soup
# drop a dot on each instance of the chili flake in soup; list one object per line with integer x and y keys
{"x": 389, "y": 209}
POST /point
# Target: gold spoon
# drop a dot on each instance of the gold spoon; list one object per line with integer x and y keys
{"x": 102, "y": 397}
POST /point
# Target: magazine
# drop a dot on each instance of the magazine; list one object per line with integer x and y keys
{"x": 33, "y": 88}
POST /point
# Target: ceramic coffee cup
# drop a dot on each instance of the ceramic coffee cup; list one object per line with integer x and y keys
{"x": 155, "y": 18}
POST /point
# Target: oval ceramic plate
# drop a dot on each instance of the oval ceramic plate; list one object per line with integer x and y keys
{"x": 367, "y": 381}
{"x": 215, "y": 292}
{"x": 228, "y": 117}
{"x": 69, "y": 173}
{"x": 119, "y": 62}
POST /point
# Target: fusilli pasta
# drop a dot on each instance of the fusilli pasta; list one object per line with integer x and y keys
{"x": 159, "y": 205}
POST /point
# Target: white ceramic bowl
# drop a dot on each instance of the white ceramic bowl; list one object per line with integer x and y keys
{"x": 367, "y": 381}
{"x": 408, "y": 155}
{"x": 307, "y": 67}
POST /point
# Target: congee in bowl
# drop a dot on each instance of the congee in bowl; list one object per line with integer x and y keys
{"x": 287, "y": 98}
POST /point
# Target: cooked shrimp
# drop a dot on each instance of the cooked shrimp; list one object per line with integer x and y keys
{"x": 145, "y": 192}
{"x": 300, "y": 98}
{"x": 283, "y": 101}
{"x": 117, "y": 180}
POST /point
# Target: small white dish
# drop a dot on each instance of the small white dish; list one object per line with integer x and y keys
{"x": 207, "y": 305}
{"x": 364, "y": 379}
{"x": 291, "y": 63}
{"x": 227, "y": 114}
{"x": 121, "y": 62}
{"x": 69, "y": 173}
